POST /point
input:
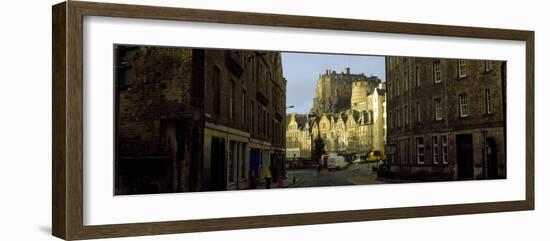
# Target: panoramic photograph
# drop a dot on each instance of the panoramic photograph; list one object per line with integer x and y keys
{"x": 202, "y": 119}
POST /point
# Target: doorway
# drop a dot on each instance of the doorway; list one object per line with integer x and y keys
{"x": 492, "y": 163}
{"x": 465, "y": 156}
{"x": 218, "y": 179}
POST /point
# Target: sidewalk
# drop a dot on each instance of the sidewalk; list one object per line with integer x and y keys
{"x": 394, "y": 180}
{"x": 286, "y": 183}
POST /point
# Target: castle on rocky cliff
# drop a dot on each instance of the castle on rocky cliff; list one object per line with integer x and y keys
{"x": 349, "y": 114}
{"x": 335, "y": 90}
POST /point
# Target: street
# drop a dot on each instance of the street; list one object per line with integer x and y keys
{"x": 353, "y": 175}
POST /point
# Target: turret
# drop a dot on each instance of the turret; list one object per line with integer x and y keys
{"x": 359, "y": 93}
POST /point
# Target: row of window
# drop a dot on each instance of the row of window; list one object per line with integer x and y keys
{"x": 296, "y": 134}
{"x": 263, "y": 77}
{"x": 439, "y": 150}
{"x": 236, "y": 160}
{"x": 399, "y": 87}
{"x": 402, "y": 118}
{"x": 260, "y": 117}
{"x": 368, "y": 118}
{"x": 306, "y": 145}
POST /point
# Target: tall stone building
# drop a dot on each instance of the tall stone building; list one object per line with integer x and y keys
{"x": 245, "y": 115}
{"x": 159, "y": 120}
{"x": 334, "y": 90}
{"x": 377, "y": 106}
{"x": 197, "y": 119}
{"x": 446, "y": 118}
{"x": 299, "y": 135}
{"x": 358, "y": 127}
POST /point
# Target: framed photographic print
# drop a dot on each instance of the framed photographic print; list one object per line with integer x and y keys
{"x": 171, "y": 120}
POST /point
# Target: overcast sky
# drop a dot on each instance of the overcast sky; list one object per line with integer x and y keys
{"x": 302, "y": 70}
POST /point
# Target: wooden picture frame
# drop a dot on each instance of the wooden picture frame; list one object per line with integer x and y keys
{"x": 67, "y": 150}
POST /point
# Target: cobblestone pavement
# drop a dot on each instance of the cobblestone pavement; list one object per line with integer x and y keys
{"x": 353, "y": 175}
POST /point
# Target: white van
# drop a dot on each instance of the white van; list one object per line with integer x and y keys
{"x": 336, "y": 163}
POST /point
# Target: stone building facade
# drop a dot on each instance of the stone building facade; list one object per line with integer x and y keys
{"x": 446, "y": 118}
{"x": 357, "y": 128}
{"x": 159, "y": 120}
{"x": 245, "y": 114}
{"x": 197, "y": 119}
{"x": 299, "y": 135}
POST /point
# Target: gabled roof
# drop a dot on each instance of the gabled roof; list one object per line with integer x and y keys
{"x": 300, "y": 119}
{"x": 352, "y": 114}
{"x": 312, "y": 120}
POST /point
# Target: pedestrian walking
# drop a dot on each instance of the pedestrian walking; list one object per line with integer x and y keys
{"x": 267, "y": 177}
{"x": 319, "y": 167}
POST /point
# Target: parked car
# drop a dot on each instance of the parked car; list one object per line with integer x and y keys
{"x": 337, "y": 163}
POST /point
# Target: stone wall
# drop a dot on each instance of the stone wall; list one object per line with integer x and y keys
{"x": 334, "y": 90}
{"x": 413, "y": 91}
{"x": 158, "y": 120}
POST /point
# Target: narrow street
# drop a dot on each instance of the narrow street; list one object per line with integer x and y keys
{"x": 353, "y": 175}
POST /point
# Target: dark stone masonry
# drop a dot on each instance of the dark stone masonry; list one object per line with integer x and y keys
{"x": 446, "y": 118}
{"x": 196, "y": 119}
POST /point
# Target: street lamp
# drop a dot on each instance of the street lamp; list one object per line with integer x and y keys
{"x": 294, "y": 158}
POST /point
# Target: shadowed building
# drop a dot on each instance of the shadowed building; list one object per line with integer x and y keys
{"x": 159, "y": 120}
{"x": 196, "y": 119}
{"x": 446, "y": 118}
{"x": 245, "y": 117}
